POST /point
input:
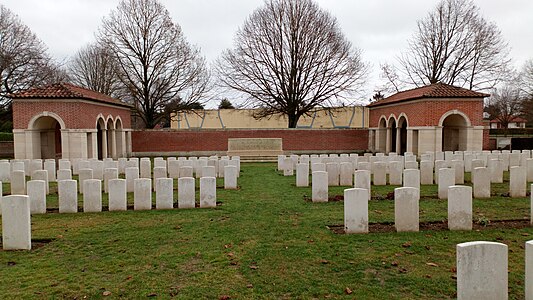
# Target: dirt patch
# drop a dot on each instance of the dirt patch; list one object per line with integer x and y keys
{"x": 438, "y": 226}
{"x": 35, "y": 243}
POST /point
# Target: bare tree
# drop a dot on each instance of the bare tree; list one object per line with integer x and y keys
{"x": 505, "y": 104}
{"x": 94, "y": 67}
{"x": 156, "y": 64}
{"x": 289, "y": 57}
{"x": 454, "y": 44}
{"x": 527, "y": 78}
{"x": 24, "y": 61}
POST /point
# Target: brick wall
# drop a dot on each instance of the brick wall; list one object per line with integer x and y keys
{"x": 76, "y": 114}
{"x": 428, "y": 112}
{"x": 7, "y": 150}
{"x": 217, "y": 140}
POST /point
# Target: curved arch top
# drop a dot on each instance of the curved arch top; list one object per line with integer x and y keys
{"x": 455, "y": 112}
{"x": 46, "y": 114}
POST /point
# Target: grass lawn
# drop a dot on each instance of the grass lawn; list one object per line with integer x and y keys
{"x": 264, "y": 241}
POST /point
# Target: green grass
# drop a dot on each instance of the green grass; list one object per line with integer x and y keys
{"x": 264, "y": 242}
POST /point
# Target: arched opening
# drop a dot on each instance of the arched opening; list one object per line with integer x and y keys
{"x": 402, "y": 136}
{"x": 119, "y": 137}
{"x": 46, "y": 131}
{"x": 101, "y": 139}
{"x": 382, "y": 135}
{"x": 454, "y": 133}
{"x": 393, "y": 132}
{"x": 110, "y": 138}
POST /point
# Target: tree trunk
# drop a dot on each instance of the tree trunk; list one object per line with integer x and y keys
{"x": 293, "y": 120}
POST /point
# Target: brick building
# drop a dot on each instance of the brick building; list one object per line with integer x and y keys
{"x": 66, "y": 121}
{"x": 436, "y": 117}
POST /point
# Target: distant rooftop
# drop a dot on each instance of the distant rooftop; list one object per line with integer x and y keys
{"x": 436, "y": 90}
{"x": 63, "y": 90}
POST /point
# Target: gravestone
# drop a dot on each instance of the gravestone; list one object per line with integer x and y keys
{"x": 67, "y": 191}
{"x": 319, "y": 184}
{"x": 186, "y": 192}
{"x": 208, "y": 192}
{"x": 406, "y": 209}
{"x": 142, "y": 194}
{"x": 164, "y": 193}
{"x": 16, "y": 222}
{"x": 117, "y": 195}
{"x": 460, "y": 207}
{"x": 92, "y": 196}
{"x": 356, "y": 210}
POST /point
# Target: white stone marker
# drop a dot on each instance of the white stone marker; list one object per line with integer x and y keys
{"x": 459, "y": 169}
{"x": 50, "y": 167}
{"x": 481, "y": 182}
{"x": 230, "y": 177}
{"x": 361, "y": 180}
{"x": 517, "y": 182}
{"x": 460, "y": 207}
{"x": 65, "y": 164}
{"x": 482, "y": 271}
{"x": 426, "y": 172}
{"x": 145, "y": 168}
{"x": 92, "y": 196}
{"x": 117, "y": 195}
{"x": 199, "y": 167}
{"x": 186, "y": 193}
{"x": 18, "y": 183}
{"x": 67, "y": 191}
{"x": 439, "y": 164}
{"x": 319, "y": 185}
{"x": 529, "y": 169}
{"x": 333, "y": 173}
{"x": 37, "y": 194}
{"x": 318, "y": 167}
{"x": 411, "y": 178}
{"x": 122, "y": 165}
{"x": 209, "y": 171}
{"x": 98, "y": 169}
{"x": 85, "y": 174}
{"x": 35, "y": 165}
{"x": 468, "y": 157}
{"x": 64, "y": 174}
{"x": 281, "y": 160}
{"x": 355, "y": 210}
{"x": 160, "y": 162}
{"x": 41, "y": 175}
{"x": 164, "y": 193}
{"x": 395, "y": 173}
{"x": 380, "y": 173}
{"x": 208, "y": 192}
{"x": 346, "y": 174}
{"x": 514, "y": 160}
{"x": 446, "y": 179}
{"x": 528, "y": 293}
{"x": 16, "y": 222}
{"x": 159, "y": 172}
{"x": 174, "y": 168}
{"x": 495, "y": 170}
{"x": 109, "y": 174}
{"x": 287, "y": 167}
{"x": 142, "y": 194}
{"x": 186, "y": 171}
{"x": 132, "y": 173}
{"x": 5, "y": 171}
{"x": 302, "y": 175}
{"x": 406, "y": 209}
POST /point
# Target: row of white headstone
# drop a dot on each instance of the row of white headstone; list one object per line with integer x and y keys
{"x": 482, "y": 270}
{"x": 16, "y": 209}
{"x": 172, "y": 166}
{"x": 406, "y": 209}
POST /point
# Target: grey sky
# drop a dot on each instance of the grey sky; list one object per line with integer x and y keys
{"x": 378, "y": 27}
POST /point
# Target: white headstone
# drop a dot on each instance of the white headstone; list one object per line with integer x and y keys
{"x": 230, "y": 177}
{"x": 446, "y": 179}
{"x": 426, "y": 172}
{"x": 50, "y": 166}
{"x": 302, "y": 175}
{"x": 380, "y": 173}
{"x": 85, "y": 174}
{"x": 395, "y": 173}
{"x": 460, "y": 207}
{"x": 406, "y": 209}
{"x": 186, "y": 171}
{"x": 517, "y": 182}
{"x": 528, "y": 293}
{"x": 319, "y": 184}
{"x": 362, "y": 181}
{"x": 142, "y": 194}
{"x": 132, "y": 173}
{"x": 186, "y": 193}
{"x": 482, "y": 271}
{"x": 208, "y": 192}
{"x": 92, "y": 196}
{"x": 18, "y": 183}
{"x": 164, "y": 193}
{"x": 67, "y": 191}
{"x": 356, "y": 210}
{"x": 145, "y": 168}
{"x": 117, "y": 195}
{"x": 37, "y": 194}
{"x": 333, "y": 173}
{"x": 411, "y": 178}
{"x": 16, "y": 222}
{"x": 64, "y": 174}
{"x": 481, "y": 183}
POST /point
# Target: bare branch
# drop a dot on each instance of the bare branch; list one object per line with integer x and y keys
{"x": 290, "y": 57}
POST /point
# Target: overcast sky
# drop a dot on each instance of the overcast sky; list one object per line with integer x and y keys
{"x": 379, "y": 28}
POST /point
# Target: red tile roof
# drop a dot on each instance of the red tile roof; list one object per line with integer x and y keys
{"x": 436, "y": 90}
{"x": 63, "y": 90}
